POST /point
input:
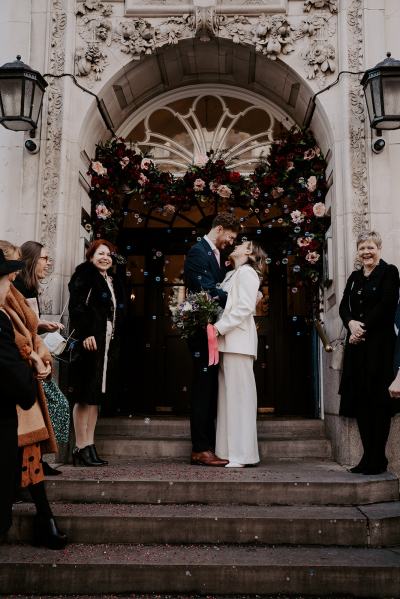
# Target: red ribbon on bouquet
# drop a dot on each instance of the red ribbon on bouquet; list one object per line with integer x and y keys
{"x": 213, "y": 355}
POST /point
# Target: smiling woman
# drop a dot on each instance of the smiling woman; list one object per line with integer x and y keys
{"x": 96, "y": 310}
{"x": 368, "y": 310}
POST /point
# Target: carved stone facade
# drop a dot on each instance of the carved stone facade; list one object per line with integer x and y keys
{"x": 264, "y": 26}
{"x": 357, "y": 121}
{"x": 53, "y": 136}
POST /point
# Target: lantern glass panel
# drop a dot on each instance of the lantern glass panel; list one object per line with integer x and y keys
{"x": 36, "y": 102}
{"x": 29, "y": 90}
{"x": 11, "y": 91}
{"x": 369, "y": 101}
{"x": 376, "y": 96}
{"x": 391, "y": 93}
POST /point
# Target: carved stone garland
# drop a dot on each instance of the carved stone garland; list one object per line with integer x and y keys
{"x": 52, "y": 158}
{"x": 357, "y": 122}
{"x": 271, "y": 35}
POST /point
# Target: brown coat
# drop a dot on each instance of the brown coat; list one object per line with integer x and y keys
{"x": 25, "y": 323}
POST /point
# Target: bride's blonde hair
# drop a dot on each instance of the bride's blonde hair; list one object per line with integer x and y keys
{"x": 257, "y": 259}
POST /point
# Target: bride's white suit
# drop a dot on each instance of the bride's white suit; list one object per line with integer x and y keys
{"x": 237, "y": 395}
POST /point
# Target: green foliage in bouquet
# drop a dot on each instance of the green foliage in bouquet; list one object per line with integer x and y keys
{"x": 192, "y": 315}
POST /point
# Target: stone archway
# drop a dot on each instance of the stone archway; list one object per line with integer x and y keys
{"x": 192, "y": 63}
{"x": 174, "y": 73}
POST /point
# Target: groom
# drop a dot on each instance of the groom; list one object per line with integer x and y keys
{"x": 204, "y": 270}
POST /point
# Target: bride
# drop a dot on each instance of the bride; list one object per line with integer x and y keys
{"x": 237, "y": 341}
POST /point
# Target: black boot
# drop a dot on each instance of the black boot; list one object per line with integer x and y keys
{"x": 95, "y": 456}
{"x": 47, "y": 534}
{"x": 49, "y": 470}
{"x": 83, "y": 457}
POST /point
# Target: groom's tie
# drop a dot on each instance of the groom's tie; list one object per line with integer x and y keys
{"x": 217, "y": 256}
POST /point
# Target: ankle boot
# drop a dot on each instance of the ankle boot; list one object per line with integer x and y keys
{"x": 47, "y": 534}
{"x": 95, "y": 456}
{"x": 83, "y": 457}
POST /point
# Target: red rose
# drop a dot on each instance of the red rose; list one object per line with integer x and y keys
{"x": 234, "y": 177}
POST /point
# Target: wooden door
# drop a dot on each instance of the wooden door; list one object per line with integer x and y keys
{"x": 157, "y": 362}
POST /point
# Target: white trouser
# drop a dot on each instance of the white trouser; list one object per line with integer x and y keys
{"x": 237, "y": 410}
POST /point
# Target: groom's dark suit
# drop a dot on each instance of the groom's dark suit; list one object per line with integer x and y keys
{"x": 202, "y": 272}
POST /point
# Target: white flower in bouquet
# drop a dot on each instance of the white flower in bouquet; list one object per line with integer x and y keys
{"x": 187, "y": 307}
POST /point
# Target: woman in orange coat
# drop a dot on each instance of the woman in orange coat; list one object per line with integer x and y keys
{"x": 35, "y": 431}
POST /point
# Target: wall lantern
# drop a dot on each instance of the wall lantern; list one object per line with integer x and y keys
{"x": 382, "y": 93}
{"x": 21, "y": 96}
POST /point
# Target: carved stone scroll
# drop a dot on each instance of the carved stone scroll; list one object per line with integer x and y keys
{"x": 52, "y": 150}
{"x": 357, "y": 121}
{"x": 273, "y": 35}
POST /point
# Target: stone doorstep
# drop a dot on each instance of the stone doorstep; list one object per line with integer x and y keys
{"x": 169, "y": 481}
{"x": 225, "y": 569}
{"x": 169, "y": 426}
{"x": 176, "y": 448}
{"x": 377, "y": 525}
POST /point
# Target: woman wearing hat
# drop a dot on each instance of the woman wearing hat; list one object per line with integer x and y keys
{"x": 17, "y": 386}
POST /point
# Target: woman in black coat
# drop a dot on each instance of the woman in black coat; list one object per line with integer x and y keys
{"x": 368, "y": 309}
{"x": 96, "y": 310}
{"x": 17, "y": 387}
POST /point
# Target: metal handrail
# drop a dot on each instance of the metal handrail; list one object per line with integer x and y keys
{"x": 323, "y": 336}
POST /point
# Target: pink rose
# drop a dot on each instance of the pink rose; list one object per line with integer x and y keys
{"x": 99, "y": 169}
{"x": 309, "y": 154}
{"x": 142, "y": 179}
{"x": 224, "y": 191}
{"x": 303, "y": 242}
{"x": 199, "y": 185}
{"x": 145, "y": 164}
{"x": 312, "y": 183}
{"x": 297, "y": 217}
{"x": 102, "y": 211}
{"x": 312, "y": 257}
{"x": 319, "y": 209}
{"x": 124, "y": 161}
{"x": 214, "y": 186}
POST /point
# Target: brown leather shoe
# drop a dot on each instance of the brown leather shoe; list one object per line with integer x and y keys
{"x": 206, "y": 458}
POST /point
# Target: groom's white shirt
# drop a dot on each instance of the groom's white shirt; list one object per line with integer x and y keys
{"x": 238, "y": 333}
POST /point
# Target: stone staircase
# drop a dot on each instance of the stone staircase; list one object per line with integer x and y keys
{"x": 149, "y": 522}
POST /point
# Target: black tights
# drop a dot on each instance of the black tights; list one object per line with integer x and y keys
{"x": 39, "y": 498}
{"x": 374, "y": 427}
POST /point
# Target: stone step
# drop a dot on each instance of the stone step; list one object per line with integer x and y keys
{"x": 170, "y": 447}
{"x": 225, "y": 569}
{"x": 377, "y": 525}
{"x": 273, "y": 482}
{"x": 169, "y": 426}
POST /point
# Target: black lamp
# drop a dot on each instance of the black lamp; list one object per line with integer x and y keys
{"x": 21, "y": 96}
{"x": 382, "y": 93}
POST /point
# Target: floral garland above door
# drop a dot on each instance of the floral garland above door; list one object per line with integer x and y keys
{"x": 286, "y": 190}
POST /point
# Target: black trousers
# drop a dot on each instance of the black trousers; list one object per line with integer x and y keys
{"x": 374, "y": 427}
{"x": 8, "y": 468}
{"x": 204, "y": 396}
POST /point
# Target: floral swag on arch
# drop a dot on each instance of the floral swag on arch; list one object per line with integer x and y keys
{"x": 285, "y": 190}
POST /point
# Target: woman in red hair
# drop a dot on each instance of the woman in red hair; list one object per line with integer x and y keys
{"x": 96, "y": 310}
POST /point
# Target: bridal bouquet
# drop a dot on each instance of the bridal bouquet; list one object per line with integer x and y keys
{"x": 193, "y": 314}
